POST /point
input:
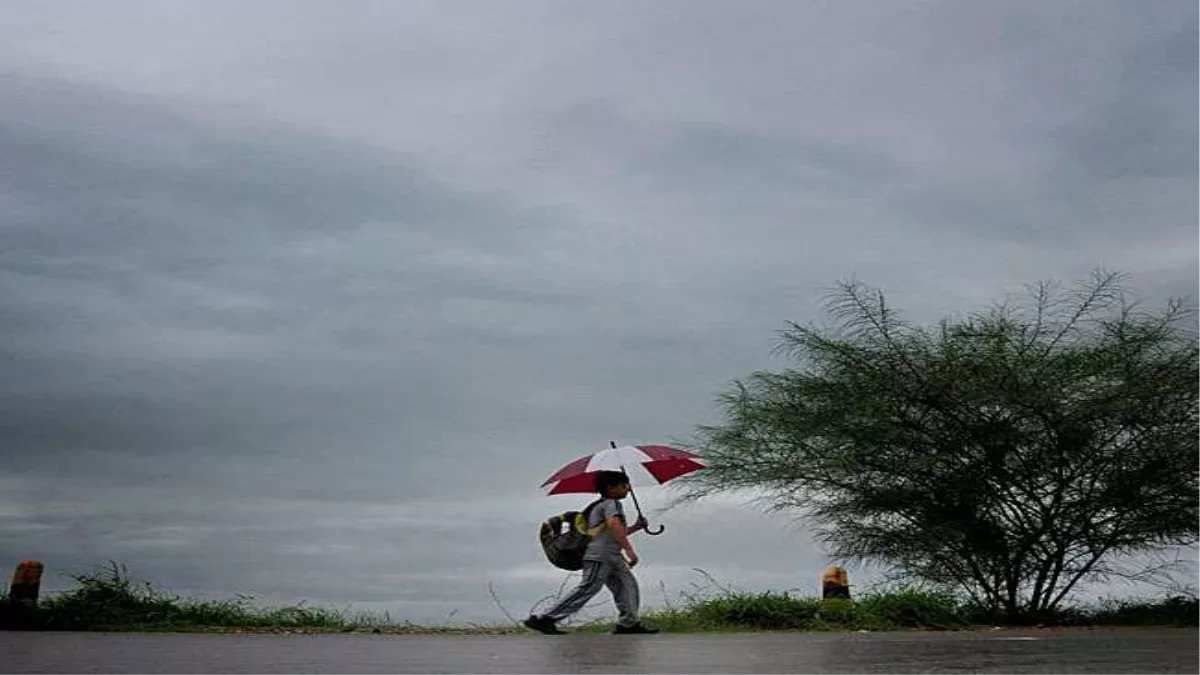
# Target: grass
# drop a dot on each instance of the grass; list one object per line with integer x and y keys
{"x": 110, "y": 600}
{"x": 1171, "y": 611}
{"x": 730, "y": 610}
{"x": 900, "y": 608}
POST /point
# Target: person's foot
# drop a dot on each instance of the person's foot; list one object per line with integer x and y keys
{"x": 542, "y": 625}
{"x": 635, "y": 629}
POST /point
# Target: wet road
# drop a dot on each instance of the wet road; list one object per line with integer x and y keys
{"x": 1099, "y": 651}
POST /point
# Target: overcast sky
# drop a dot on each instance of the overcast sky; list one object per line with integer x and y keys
{"x": 304, "y": 300}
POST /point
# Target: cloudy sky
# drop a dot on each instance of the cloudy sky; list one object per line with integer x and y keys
{"x": 303, "y": 300}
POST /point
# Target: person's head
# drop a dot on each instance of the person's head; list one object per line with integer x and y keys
{"x": 612, "y": 484}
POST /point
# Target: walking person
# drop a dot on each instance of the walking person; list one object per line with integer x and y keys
{"x": 603, "y": 562}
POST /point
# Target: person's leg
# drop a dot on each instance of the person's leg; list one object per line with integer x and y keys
{"x": 624, "y": 587}
{"x": 594, "y": 576}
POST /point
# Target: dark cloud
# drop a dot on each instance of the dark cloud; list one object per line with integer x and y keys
{"x": 1139, "y": 125}
{"x": 305, "y": 303}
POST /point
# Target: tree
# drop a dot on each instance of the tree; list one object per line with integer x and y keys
{"x": 1011, "y": 453}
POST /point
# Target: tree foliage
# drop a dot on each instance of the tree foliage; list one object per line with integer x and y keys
{"x": 1011, "y": 453}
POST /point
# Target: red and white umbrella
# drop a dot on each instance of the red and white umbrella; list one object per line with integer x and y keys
{"x": 660, "y": 463}
{"x": 644, "y": 464}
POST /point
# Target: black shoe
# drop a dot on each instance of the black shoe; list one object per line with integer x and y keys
{"x": 635, "y": 629}
{"x": 542, "y": 625}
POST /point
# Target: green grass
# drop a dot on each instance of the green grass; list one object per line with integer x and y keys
{"x": 1172, "y": 611}
{"x": 897, "y": 608}
{"x": 758, "y": 611}
{"x": 721, "y": 608}
{"x": 732, "y": 610}
{"x": 914, "y": 608}
{"x": 111, "y": 600}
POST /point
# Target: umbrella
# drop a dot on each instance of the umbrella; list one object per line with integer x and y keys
{"x": 655, "y": 464}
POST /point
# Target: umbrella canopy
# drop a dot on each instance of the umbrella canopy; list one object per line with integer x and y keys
{"x": 660, "y": 463}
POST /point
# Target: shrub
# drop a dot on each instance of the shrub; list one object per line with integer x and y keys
{"x": 110, "y": 600}
{"x": 839, "y": 613}
{"x": 768, "y": 611}
{"x": 913, "y": 608}
{"x": 1172, "y": 611}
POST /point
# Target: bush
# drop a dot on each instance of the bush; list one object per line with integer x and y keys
{"x": 914, "y": 608}
{"x": 738, "y": 610}
{"x": 768, "y": 611}
{"x": 106, "y": 600}
{"x": 839, "y": 613}
{"x": 110, "y": 600}
{"x": 1172, "y": 611}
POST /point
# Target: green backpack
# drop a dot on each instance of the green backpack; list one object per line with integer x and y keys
{"x": 566, "y": 536}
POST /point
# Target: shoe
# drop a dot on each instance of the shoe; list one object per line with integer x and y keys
{"x": 635, "y": 629}
{"x": 543, "y": 625}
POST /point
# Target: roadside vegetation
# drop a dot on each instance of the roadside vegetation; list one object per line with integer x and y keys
{"x": 720, "y": 608}
{"x": 110, "y": 600}
{"x": 1015, "y": 454}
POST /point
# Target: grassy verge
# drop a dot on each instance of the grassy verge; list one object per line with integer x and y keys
{"x": 731, "y": 610}
{"x": 110, "y": 600}
{"x": 905, "y": 609}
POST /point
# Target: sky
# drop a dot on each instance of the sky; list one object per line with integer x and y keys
{"x": 304, "y": 300}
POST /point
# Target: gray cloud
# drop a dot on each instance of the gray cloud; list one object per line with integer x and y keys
{"x": 304, "y": 302}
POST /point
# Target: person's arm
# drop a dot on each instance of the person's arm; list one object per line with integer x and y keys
{"x": 621, "y": 536}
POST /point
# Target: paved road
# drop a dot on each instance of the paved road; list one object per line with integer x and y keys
{"x": 1100, "y": 651}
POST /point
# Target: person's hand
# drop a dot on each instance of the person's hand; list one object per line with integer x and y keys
{"x": 641, "y": 523}
{"x": 631, "y": 558}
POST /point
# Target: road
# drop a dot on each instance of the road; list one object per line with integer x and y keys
{"x": 1076, "y": 651}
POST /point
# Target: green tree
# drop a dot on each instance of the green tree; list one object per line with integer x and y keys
{"x": 1011, "y": 453}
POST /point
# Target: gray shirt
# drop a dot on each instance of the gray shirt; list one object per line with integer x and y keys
{"x": 604, "y": 547}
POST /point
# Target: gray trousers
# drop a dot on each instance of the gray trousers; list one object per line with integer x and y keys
{"x": 617, "y": 576}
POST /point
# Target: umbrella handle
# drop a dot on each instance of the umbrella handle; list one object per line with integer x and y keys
{"x": 638, "y": 506}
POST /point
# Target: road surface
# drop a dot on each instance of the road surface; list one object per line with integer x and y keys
{"x": 1075, "y": 651}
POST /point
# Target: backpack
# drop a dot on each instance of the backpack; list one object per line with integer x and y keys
{"x": 566, "y": 536}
